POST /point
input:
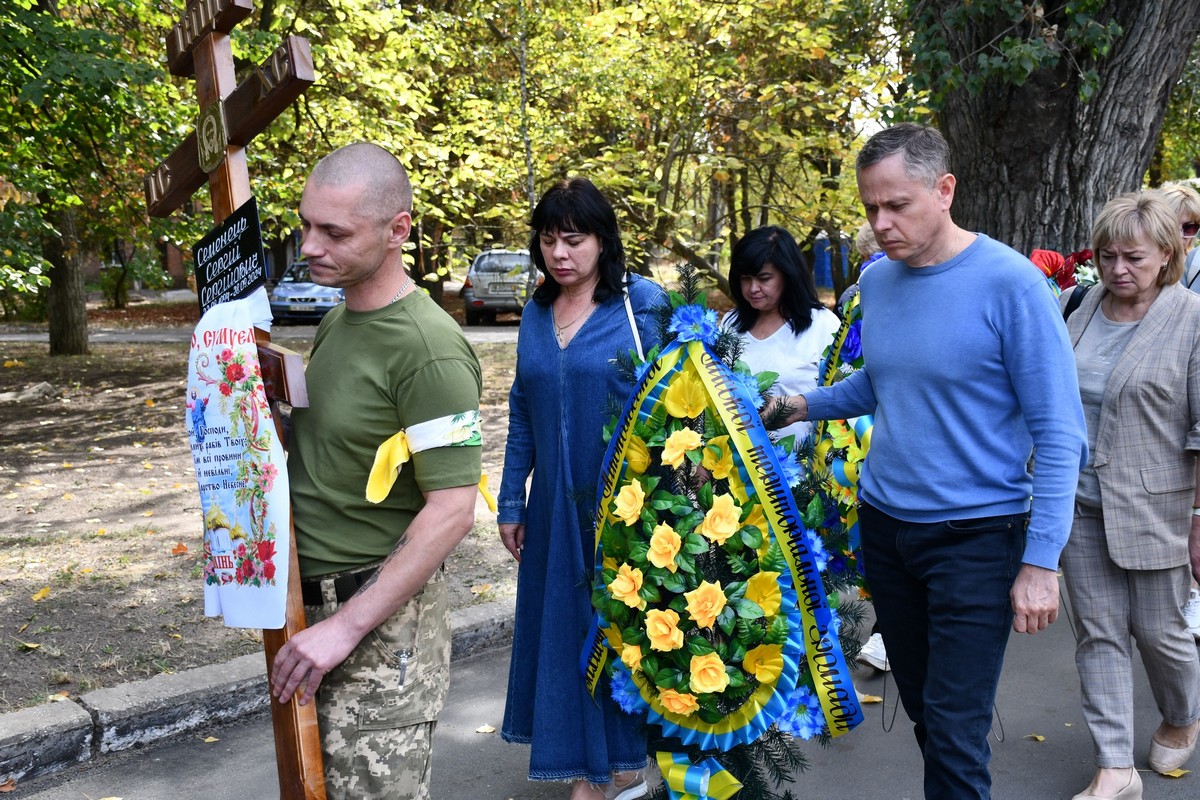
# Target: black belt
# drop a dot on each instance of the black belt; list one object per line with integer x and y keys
{"x": 344, "y": 586}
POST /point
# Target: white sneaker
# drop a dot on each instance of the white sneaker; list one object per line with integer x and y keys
{"x": 1191, "y": 613}
{"x": 873, "y": 651}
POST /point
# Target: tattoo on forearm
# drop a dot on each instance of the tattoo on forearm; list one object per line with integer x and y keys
{"x": 369, "y": 582}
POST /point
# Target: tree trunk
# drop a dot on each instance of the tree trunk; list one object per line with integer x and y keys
{"x": 1035, "y": 163}
{"x": 66, "y": 302}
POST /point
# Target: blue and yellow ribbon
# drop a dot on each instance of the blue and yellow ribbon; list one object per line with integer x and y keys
{"x": 707, "y": 780}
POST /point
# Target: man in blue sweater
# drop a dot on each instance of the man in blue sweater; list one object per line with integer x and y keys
{"x": 968, "y": 370}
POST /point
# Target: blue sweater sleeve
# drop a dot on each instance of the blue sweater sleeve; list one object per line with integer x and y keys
{"x": 845, "y": 399}
{"x": 1041, "y": 366}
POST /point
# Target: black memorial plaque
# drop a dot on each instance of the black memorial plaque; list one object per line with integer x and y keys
{"x": 229, "y": 261}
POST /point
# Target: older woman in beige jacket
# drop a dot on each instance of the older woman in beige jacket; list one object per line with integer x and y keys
{"x": 1135, "y": 541}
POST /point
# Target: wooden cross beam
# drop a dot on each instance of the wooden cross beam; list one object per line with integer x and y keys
{"x": 230, "y": 117}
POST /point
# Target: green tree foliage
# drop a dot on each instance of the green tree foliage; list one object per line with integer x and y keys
{"x": 1178, "y": 153}
{"x": 82, "y": 111}
{"x": 700, "y": 120}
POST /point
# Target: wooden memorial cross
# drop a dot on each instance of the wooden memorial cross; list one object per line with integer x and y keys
{"x": 231, "y": 115}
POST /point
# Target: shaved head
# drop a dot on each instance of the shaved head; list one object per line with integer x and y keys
{"x": 386, "y": 190}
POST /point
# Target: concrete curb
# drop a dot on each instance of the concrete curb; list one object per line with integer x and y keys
{"x": 46, "y": 739}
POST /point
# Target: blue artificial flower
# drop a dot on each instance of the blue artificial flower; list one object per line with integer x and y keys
{"x": 792, "y": 470}
{"x": 816, "y": 546}
{"x": 852, "y": 347}
{"x": 694, "y": 324}
{"x": 624, "y": 691}
{"x": 803, "y": 716}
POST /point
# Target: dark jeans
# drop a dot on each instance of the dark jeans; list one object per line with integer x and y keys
{"x": 941, "y": 593}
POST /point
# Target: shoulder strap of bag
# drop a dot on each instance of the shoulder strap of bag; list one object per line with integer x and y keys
{"x": 1074, "y": 300}
{"x": 637, "y": 339}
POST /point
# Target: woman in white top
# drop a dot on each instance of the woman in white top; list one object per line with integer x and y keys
{"x": 783, "y": 326}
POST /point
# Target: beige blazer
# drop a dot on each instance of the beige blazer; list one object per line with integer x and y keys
{"x": 1145, "y": 453}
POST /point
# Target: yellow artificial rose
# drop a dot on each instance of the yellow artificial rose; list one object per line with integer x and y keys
{"x": 764, "y": 662}
{"x": 685, "y": 396}
{"x": 719, "y": 466}
{"x": 631, "y": 655}
{"x": 637, "y": 455}
{"x": 663, "y": 629}
{"x": 721, "y": 521}
{"x": 708, "y": 674}
{"x": 678, "y": 443}
{"x": 628, "y": 505}
{"x": 626, "y": 585}
{"x": 679, "y": 703}
{"x": 664, "y": 546}
{"x": 705, "y": 602}
{"x": 763, "y": 589}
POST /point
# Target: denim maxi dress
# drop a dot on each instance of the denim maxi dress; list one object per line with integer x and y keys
{"x": 557, "y": 411}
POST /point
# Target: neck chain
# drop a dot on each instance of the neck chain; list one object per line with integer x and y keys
{"x": 403, "y": 287}
{"x": 561, "y": 328}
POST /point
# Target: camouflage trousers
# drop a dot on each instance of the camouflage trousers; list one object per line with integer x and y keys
{"x": 377, "y": 710}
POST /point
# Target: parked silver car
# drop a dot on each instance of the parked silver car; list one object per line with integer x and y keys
{"x": 498, "y": 281}
{"x": 297, "y": 299}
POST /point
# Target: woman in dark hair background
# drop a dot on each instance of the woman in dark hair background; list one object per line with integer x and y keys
{"x": 783, "y": 326}
{"x": 587, "y": 310}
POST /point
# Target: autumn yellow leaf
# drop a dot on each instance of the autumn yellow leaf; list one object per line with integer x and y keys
{"x": 175, "y": 635}
{"x": 1037, "y": 737}
{"x": 68, "y": 496}
{"x": 149, "y": 402}
{"x": 480, "y": 588}
{"x": 101, "y": 531}
{"x": 1176, "y": 773}
{"x": 86, "y": 570}
{"x": 179, "y": 549}
{"x": 12, "y": 362}
{"x": 485, "y": 729}
{"x": 870, "y": 698}
{"x": 41, "y": 594}
{"x": 9, "y": 785}
{"x": 67, "y": 465}
{"x": 210, "y": 739}
{"x": 27, "y": 645}
{"x": 22, "y": 628}
{"x": 177, "y": 485}
{"x": 147, "y": 513}
{"x": 147, "y": 465}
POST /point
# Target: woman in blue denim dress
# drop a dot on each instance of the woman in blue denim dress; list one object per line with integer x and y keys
{"x": 581, "y": 317}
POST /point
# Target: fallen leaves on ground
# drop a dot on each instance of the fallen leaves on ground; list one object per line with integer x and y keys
{"x": 485, "y": 729}
{"x": 179, "y": 549}
{"x": 40, "y": 595}
{"x": 1037, "y": 737}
